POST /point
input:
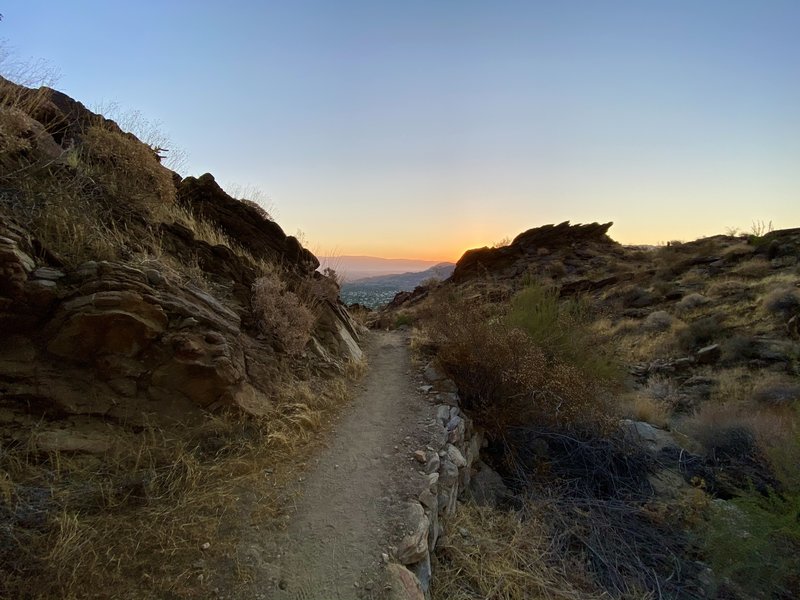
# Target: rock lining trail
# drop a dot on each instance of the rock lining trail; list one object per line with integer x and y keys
{"x": 349, "y": 501}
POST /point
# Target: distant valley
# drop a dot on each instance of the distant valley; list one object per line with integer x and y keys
{"x": 378, "y": 290}
{"x": 354, "y": 268}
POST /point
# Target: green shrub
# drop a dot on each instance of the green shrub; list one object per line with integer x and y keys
{"x": 754, "y": 541}
{"x": 560, "y": 329}
{"x": 403, "y": 319}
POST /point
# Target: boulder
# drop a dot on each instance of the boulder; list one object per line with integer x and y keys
{"x": 414, "y": 545}
{"x": 486, "y": 487}
{"x": 402, "y": 584}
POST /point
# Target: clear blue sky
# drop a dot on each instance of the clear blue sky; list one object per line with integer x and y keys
{"x": 421, "y": 128}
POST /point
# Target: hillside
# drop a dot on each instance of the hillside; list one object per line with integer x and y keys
{"x": 164, "y": 345}
{"x": 642, "y": 408}
{"x": 375, "y": 291}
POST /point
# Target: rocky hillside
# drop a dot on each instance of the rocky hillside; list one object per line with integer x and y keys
{"x": 662, "y": 383}
{"x": 133, "y": 299}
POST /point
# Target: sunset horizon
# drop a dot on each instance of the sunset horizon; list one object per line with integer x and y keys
{"x": 426, "y": 130}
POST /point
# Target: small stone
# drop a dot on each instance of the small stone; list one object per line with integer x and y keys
{"x": 420, "y": 456}
{"x": 385, "y": 557}
{"x": 709, "y": 354}
{"x": 463, "y": 532}
{"x": 205, "y": 546}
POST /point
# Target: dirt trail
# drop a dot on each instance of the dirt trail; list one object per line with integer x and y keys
{"x": 343, "y": 518}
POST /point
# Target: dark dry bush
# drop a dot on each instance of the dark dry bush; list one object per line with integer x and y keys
{"x": 784, "y": 302}
{"x": 505, "y": 380}
{"x": 699, "y": 333}
{"x": 777, "y": 394}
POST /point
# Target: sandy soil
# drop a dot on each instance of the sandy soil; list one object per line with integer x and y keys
{"x": 343, "y": 519}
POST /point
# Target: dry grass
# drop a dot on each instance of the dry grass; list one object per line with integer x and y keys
{"x": 494, "y": 554}
{"x": 134, "y": 523}
{"x": 755, "y": 268}
{"x": 635, "y": 344}
{"x": 734, "y": 386}
{"x": 641, "y": 406}
{"x": 727, "y": 288}
{"x": 128, "y": 170}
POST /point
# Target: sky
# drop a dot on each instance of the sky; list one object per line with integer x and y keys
{"x": 419, "y": 129}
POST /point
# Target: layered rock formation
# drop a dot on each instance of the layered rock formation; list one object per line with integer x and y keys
{"x": 164, "y": 330}
{"x": 513, "y": 260}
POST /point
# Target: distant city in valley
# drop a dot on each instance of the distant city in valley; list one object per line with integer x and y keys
{"x": 375, "y": 290}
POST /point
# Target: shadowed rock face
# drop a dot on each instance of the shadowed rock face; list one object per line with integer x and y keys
{"x": 245, "y": 224}
{"x": 511, "y": 261}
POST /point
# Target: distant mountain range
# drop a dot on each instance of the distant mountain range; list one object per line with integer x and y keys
{"x": 408, "y": 281}
{"x": 353, "y": 268}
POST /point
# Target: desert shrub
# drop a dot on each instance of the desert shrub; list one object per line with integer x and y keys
{"x": 782, "y": 301}
{"x": 738, "y": 347}
{"x": 658, "y": 320}
{"x": 699, "y": 333}
{"x": 561, "y": 329}
{"x": 403, "y": 320}
{"x": 129, "y": 171}
{"x": 691, "y": 301}
{"x": 723, "y": 430}
{"x": 776, "y": 391}
{"x": 319, "y": 290}
{"x": 507, "y": 376}
{"x": 280, "y": 313}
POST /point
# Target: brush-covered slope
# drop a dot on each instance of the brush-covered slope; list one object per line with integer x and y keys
{"x": 126, "y": 290}
{"x": 162, "y": 346}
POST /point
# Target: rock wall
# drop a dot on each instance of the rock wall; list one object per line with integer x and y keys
{"x": 120, "y": 343}
{"x": 452, "y": 464}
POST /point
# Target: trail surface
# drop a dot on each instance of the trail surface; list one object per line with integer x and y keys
{"x": 343, "y": 519}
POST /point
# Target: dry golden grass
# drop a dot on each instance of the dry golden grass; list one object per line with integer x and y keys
{"x": 421, "y": 344}
{"x": 127, "y": 169}
{"x": 133, "y": 524}
{"x": 734, "y": 386}
{"x": 755, "y": 268}
{"x": 503, "y": 558}
{"x": 640, "y": 406}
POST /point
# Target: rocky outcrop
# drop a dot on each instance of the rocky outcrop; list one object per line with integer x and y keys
{"x": 112, "y": 340}
{"x": 511, "y": 261}
{"x": 164, "y": 329}
{"x": 244, "y": 223}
